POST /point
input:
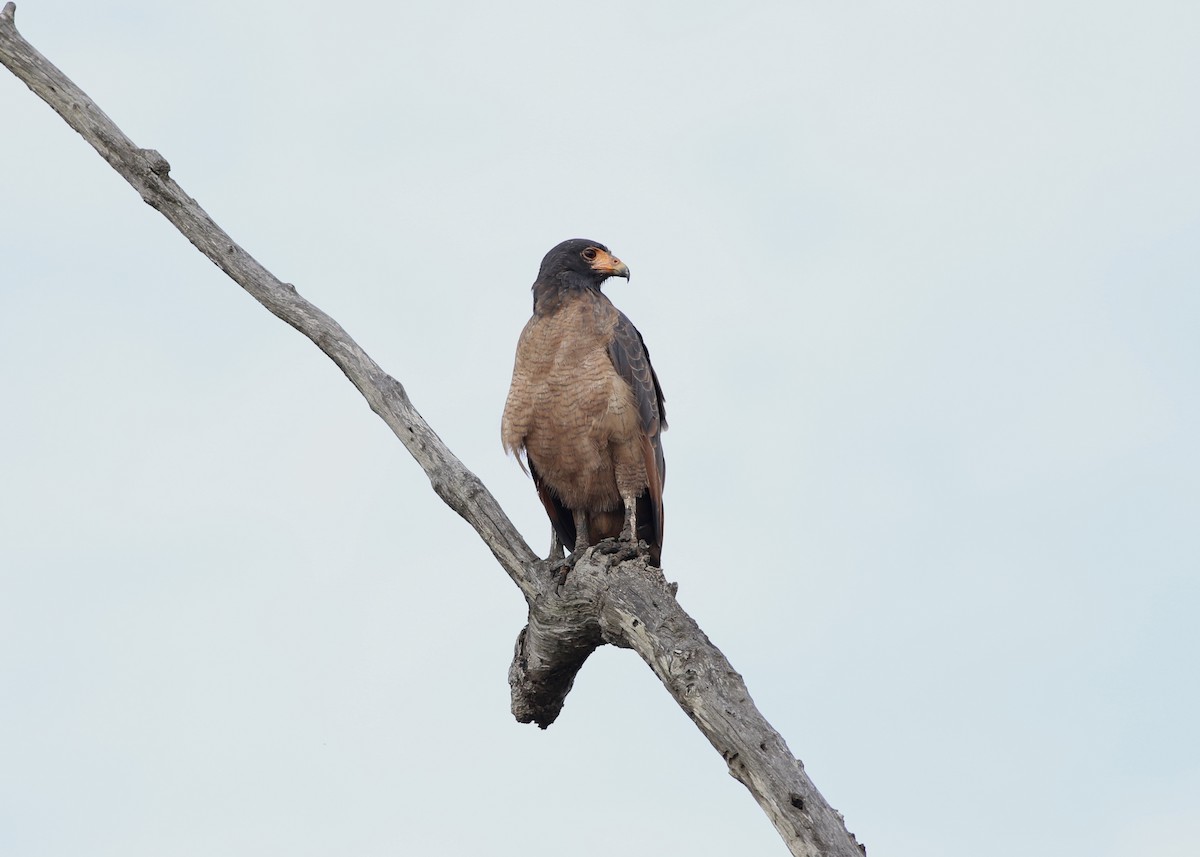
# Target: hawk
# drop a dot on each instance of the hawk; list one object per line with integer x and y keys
{"x": 585, "y": 409}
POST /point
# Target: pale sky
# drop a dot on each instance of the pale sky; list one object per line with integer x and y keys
{"x": 921, "y": 284}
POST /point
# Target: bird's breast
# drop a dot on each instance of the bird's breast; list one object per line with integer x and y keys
{"x": 571, "y": 409}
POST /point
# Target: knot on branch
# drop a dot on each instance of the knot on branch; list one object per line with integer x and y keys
{"x": 156, "y": 162}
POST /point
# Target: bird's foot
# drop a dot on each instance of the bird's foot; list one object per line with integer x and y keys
{"x": 561, "y": 567}
{"x": 622, "y": 548}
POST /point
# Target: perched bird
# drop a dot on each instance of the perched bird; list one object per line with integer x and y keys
{"x": 585, "y": 409}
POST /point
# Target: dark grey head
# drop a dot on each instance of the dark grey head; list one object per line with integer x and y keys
{"x": 579, "y": 262}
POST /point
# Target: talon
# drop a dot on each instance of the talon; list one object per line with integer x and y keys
{"x": 561, "y": 568}
{"x": 622, "y": 549}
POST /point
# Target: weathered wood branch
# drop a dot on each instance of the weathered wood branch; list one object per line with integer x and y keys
{"x": 602, "y": 600}
{"x": 631, "y": 605}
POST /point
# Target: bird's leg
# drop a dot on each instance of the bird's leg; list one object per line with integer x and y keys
{"x": 564, "y": 566}
{"x": 624, "y": 546}
{"x": 629, "y": 531}
{"x": 558, "y": 565}
{"x": 629, "y": 537}
{"x": 581, "y": 530}
{"x": 556, "y": 546}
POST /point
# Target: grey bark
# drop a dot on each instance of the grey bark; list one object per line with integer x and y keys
{"x": 606, "y": 598}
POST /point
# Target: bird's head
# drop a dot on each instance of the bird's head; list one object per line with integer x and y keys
{"x": 579, "y": 262}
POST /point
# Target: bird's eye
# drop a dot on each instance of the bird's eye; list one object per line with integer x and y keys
{"x": 589, "y": 255}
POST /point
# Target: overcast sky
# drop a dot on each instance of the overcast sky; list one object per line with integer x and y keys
{"x": 921, "y": 284}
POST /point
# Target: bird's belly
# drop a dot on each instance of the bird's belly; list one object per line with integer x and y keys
{"x": 581, "y": 428}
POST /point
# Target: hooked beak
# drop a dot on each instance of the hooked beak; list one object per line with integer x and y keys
{"x": 606, "y": 263}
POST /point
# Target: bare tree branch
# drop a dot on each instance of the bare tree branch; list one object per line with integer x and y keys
{"x": 603, "y": 600}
